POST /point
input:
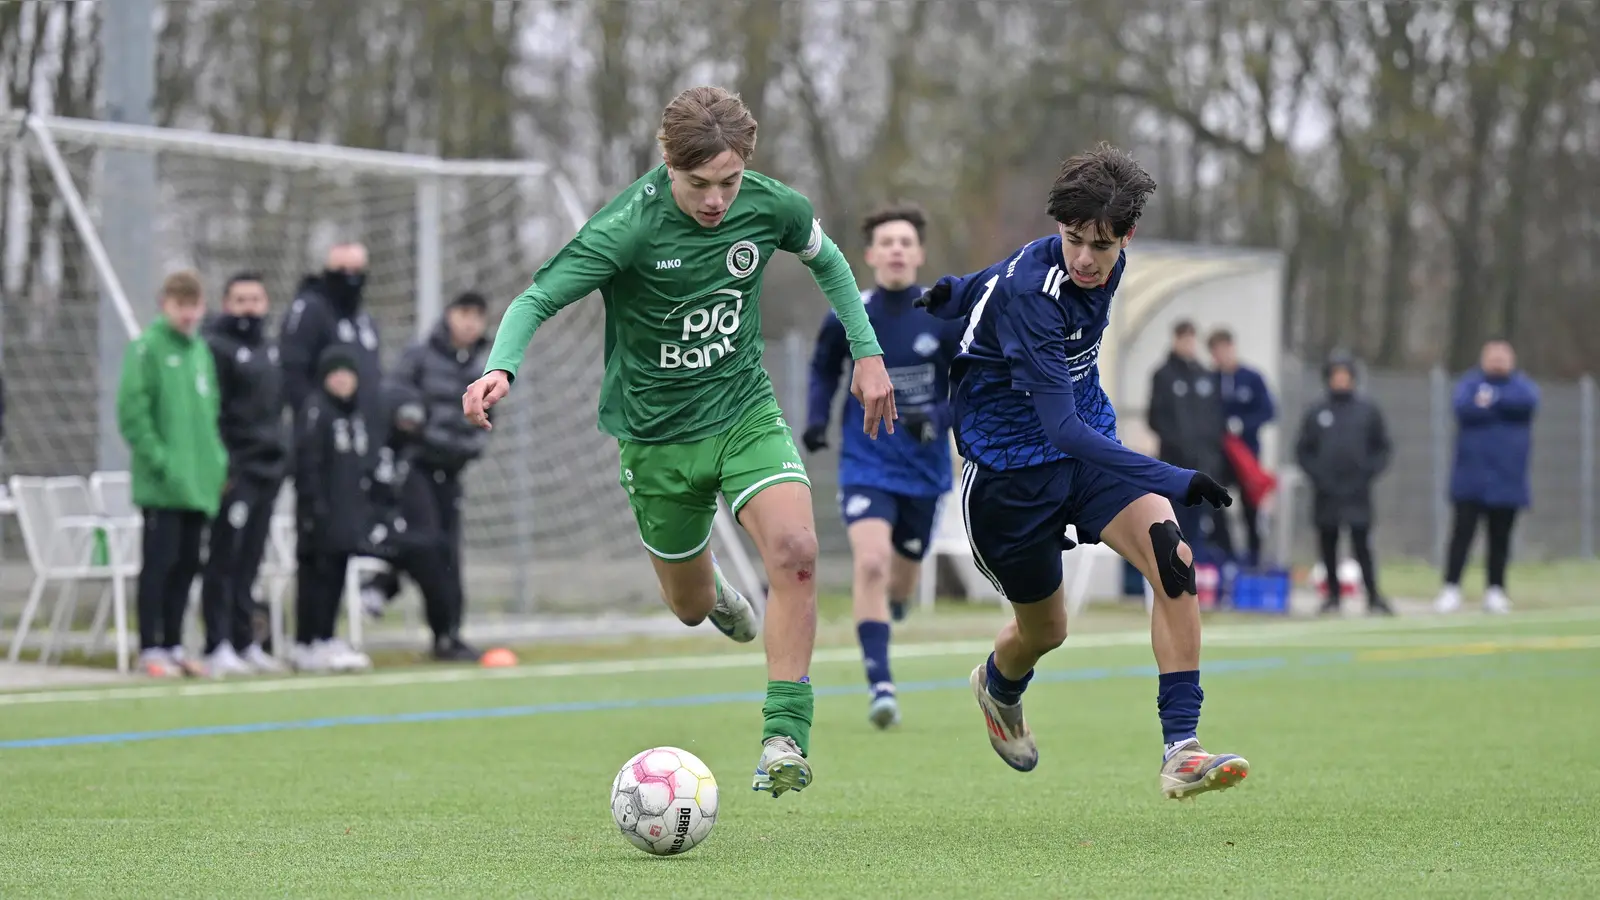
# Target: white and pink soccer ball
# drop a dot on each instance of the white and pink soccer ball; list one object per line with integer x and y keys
{"x": 664, "y": 800}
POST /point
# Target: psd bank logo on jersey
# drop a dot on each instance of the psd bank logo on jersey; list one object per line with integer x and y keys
{"x": 743, "y": 258}
{"x": 704, "y": 334}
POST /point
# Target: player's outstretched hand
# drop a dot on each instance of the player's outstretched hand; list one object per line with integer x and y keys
{"x": 483, "y": 394}
{"x": 871, "y": 386}
{"x": 815, "y": 438}
{"x": 934, "y": 296}
{"x": 1204, "y": 489}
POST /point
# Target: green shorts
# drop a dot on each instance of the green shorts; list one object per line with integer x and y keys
{"x": 673, "y": 488}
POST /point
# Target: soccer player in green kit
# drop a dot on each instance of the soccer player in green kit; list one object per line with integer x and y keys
{"x": 678, "y": 259}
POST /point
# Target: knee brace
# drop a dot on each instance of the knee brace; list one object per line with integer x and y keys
{"x": 1177, "y": 576}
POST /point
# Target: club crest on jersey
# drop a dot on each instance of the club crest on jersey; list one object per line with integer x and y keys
{"x": 925, "y": 344}
{"x": 743, "y": 258}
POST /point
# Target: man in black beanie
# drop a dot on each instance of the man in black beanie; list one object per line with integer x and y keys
{"x": 439, "y": 369}
{"x": 1342, "y": 448}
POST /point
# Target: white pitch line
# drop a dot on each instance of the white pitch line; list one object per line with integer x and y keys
{"x": 1327, "y": 633}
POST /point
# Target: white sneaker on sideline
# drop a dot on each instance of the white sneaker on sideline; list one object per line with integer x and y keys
{"x": 156, "y": 663}
{"x": 225, "y": 661}
{"x": 1449, "y": 600}
{"x": 1495, "y": 601}
{"x": 312, "y": 657}
{"x": 344, "y": 658}
{"x": 264, "y": 662}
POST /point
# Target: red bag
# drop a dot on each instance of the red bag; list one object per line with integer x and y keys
{"x": 1255, "y": 482}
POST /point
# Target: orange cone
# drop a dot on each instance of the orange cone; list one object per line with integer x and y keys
{"x": 498, "y": 658}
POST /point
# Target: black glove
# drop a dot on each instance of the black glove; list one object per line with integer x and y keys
{"x": 934, "y": 296}
{"x": 815, "y": 438}
{"x": 920, "y": 424}
{"x": 1204, "y": 489}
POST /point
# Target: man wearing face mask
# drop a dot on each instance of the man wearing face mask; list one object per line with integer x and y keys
{"x": 327, "y": 311}
{"x": 251, "y": 423}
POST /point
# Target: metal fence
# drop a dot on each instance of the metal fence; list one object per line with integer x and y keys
{"x": 1413, "y": 512}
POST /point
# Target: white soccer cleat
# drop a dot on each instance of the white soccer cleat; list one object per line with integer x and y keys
{"x": 224, "y": 661}
{"x": 781, "y": 768}
{"x": 732, "y": 614}
{"x": 264, "y": 662}
{"x": 1495, "y": 601}
{"x": 1008, "y": 731}
{"x": 1449, "y": 600}
{"x": 884, "y": 710}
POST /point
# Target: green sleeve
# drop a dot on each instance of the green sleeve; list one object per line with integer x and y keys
{"x": 838, "y": 284}
{"x": 601, "y": 249}
{"x": 136, "y": 417}
{"x": 803, "y": 236}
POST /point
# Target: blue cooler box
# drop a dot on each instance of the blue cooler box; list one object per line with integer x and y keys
{"x": 1262, "y": 592}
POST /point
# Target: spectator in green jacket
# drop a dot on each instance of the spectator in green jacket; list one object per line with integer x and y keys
{"x": 167, "y": 409}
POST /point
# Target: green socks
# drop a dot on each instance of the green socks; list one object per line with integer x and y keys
{"x": 788, "y": 713}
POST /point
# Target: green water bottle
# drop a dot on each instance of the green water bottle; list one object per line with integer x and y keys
{"x": 101, "y": 555}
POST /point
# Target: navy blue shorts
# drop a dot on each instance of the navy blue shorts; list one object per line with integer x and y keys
{"x": 910, "y": 519}
{"x": 1017, "y": 520}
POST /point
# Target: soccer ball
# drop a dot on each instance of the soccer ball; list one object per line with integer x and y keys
{"x": 664, "y": 801}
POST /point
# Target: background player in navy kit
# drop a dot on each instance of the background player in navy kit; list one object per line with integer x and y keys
{"x": 1039, "y": 437}
{"x": 889, "y": 489}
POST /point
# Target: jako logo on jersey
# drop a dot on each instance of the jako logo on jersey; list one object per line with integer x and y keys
{"x": 743, "y": 258}
{"x": 668, "y": 264}
{"x": 707, "y": 332}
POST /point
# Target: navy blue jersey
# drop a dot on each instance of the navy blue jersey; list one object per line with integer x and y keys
{"x": 1026, "y": 380}
{"x": 917, "y": 350}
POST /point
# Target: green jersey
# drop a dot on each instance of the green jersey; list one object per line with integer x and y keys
{"x": 683, "y": 322}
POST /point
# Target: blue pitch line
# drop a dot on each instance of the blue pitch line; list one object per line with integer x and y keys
{"x": 578, "y": 706}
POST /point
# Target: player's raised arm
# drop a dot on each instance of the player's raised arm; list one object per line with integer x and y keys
{"x": 591, "y": 259}
{"x": 1034, "y": 334}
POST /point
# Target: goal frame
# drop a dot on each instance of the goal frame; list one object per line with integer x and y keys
{"x": 42, "y": 134}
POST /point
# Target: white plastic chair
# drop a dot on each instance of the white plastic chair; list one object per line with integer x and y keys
{"x": 278, "y": 565}
{"x": 60, "y": 527}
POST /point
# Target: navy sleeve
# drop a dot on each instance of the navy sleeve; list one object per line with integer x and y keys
{"x": 300, "y": 344}
{"x": 1519, "y": 399}
{"x": 1468, "y": 412}
{"x": 1260, "y": 409}
{"x": 1033, "y": 332}
{"x": 827, "y": 364}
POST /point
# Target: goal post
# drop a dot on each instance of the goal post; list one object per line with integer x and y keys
{"x": 547, "y": 528}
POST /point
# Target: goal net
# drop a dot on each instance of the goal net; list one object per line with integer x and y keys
{"x": 546, "y": 527}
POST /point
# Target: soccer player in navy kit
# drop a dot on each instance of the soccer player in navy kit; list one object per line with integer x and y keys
{"x": 1039, "y": 437}
{"x": 889, "y": 489}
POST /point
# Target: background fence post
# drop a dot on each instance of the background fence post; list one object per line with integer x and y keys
{"x": 1439, "y": 440}
{"x": 1586, "y": 441}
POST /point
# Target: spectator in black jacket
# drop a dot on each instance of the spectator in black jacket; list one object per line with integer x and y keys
{"x": 327, "y": 311}
{"x": 251, "y": 386}
{"x": 1187, "y": 417}
{"x": 439, "y": 368}
{"x": 334, "y": 452}
{"x": 1342, "y": 448}
{"x": 408, "y": 532}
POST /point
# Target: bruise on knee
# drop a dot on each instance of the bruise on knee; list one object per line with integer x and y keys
{"x": 1176, "y": 574}
{"x": 795, "y": 552}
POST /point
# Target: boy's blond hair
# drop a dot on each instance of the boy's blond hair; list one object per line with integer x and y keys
{"x": 182, "y": 287}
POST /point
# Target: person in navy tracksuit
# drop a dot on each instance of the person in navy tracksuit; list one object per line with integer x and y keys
{"x": 1495, "y": 404}
{"x": 1247, "y": 405}
{"x": 889, "y": 488}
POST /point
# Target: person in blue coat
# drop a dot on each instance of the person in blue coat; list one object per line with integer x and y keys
{"x": 1247, "y": 404}
{"x": 1495, "y": 404}
{"x": 889, "y": 488}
